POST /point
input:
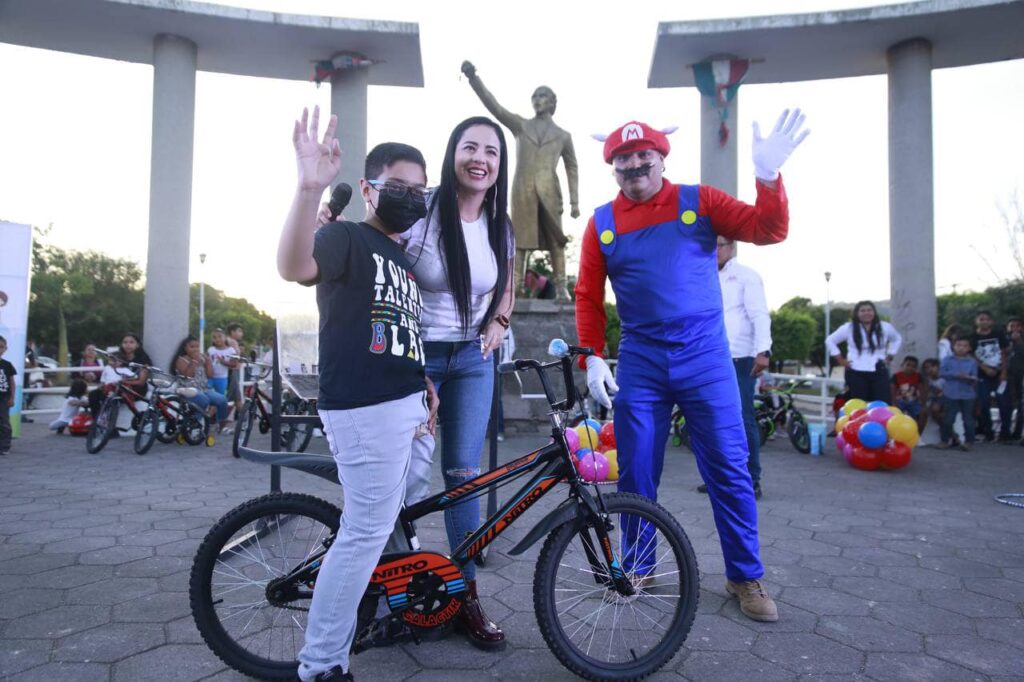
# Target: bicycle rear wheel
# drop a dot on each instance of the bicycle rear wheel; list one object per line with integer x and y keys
{"x": 171, "y": 418}
{"x": 102, "y": 427}
{"x": 243, "y": 429}
{"x": 145, "y": 435}
{"x": 252, "y": 545}
{"x": 596, "y": 632}
{"x": 799, "y": 435}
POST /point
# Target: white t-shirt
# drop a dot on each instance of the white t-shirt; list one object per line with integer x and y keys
{"x": 114, "y": 376}
{"x": 218, "y": 358}
{"x": 423, "y": 248}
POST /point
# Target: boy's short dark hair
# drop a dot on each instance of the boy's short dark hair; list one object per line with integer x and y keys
{"x": 1013, "y": 319}
{"x": 960, "y": 338}
{"x": 912, "y": 358}
{"x": 984, "y": 312}
{"x": 930, "y": 362}
{"x": 3, "y": 340}
{"x": 387, "y": 153}
{"x": 233, "y": 327}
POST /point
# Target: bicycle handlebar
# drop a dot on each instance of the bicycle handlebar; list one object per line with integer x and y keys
{"x": 566, "y": 354}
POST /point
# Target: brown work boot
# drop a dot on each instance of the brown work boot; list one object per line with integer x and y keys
{"x": 474, "y": 623}
{"x": 754, "y": 600}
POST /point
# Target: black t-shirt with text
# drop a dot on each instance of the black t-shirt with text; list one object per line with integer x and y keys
{"x": 6, "y": 372}
{"x": 987, "y": 347}
{"x": 370, "y": 305}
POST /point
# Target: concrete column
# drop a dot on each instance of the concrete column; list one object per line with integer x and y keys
{"x": 718, "y": 163}
{"x": 911, "y": 201}
{"x": 165, "y": 317}
{"x": 348, "y": 103}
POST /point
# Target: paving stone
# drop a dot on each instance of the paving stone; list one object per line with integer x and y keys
{"x": 794, "y": 576}
{"x": 28, "y": 600}
{"x": 805, "y": 653}
{"x": 961, "y": 568}
{"x": 916, "y": 667}
{"x": 839, "y": 566}
{"x": 112, "y": 591}
{"x": 1007, "y": 630}
{"x": 922, "y": 618}
{"x": 173, "y": 662}
{"x": 112, "y": 556}
{"x": 918, "y": 548}
{"x": 23, "y": 654}
{"x": 44, "y": 536}
{"x": 70, "y": 576}
{"x": 807, "y": 547}
{"x": 970, "y": 604}
{"x": 868, "y": 634}
{"x": 153, "y": 567}
{"x": 10, "y": 551}
{"x": 36, "y": 563}
{"x": 57, "y": 622}
{"x": 877, "y": 556}
{"x": 919, "y": 578}
{"x": 977, "y": 654}
{"x": 155, "y": 538}
{"x": 80, "y": 520}
{"x": 183, "y": 631}
{"x": 153, "y": 608}
{"x": 825, "y": 601}
{"x": 79, "y": 672}
{"x": 731, "y": 667}
{"x": 109, "y": 643}
{"x": 717, "y": 633}
{"x": 79, "y": 544}
{"x": 1010, "y": 590}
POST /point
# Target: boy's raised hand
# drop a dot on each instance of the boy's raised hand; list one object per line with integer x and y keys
{"x": 318, "y": 162}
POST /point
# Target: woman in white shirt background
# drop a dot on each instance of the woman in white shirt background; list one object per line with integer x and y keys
{"x": 871, "y": 345}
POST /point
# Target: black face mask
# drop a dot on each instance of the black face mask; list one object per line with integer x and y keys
{"x": 398, "y": 215}
{"x": 638, "y": 172}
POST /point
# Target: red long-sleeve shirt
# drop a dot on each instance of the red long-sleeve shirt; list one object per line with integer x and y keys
{"x": 766, "y": 222}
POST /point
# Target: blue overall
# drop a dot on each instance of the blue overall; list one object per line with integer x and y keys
{"x": 674, "y": 351}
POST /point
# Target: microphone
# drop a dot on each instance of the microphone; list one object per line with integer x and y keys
{"x": 339, "y": 199}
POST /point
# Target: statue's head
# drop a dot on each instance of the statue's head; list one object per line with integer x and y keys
{"x": 544, "y": 100}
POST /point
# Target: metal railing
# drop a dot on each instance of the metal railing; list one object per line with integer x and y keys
{"x": 817, "y": 407}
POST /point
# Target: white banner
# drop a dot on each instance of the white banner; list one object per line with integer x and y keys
{"x": 15, "y": 268}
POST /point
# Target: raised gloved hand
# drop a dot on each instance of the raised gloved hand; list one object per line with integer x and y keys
{"x": 772, "y": 151}
{"x": 599, "y": 375}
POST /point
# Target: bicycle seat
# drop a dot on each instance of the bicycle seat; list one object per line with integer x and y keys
{"x": 323, "y": 466}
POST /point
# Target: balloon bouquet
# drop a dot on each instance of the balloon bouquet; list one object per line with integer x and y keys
{"x": 592, "y": 445}
{"x": 875, "y": 435}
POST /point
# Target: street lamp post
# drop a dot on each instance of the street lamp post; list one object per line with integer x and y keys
{"x": 202, "y": 300}
{"x": 828, "y": 324}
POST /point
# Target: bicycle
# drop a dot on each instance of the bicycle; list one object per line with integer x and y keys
{"x": 170, "y": 415}
{"x": 616, "y": 564}
{"x": 294, "y": 437}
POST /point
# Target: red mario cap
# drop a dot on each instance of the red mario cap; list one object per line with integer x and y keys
{"x": 634, "y": 136}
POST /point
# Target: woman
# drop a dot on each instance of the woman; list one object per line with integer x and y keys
{"x": 222, "y": 359}
{"x": 952, "y": 332}
{"x": 461, "y": 254}
{"x": 130, "y": 350}
{"x": 871, "y": 344}
{"x": 189, "y": 362}
{"x": 89, "y": 359}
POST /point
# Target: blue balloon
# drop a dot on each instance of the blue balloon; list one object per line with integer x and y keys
{"x": 594, "y": 424}
{"x": 876, "y": 403}
{"x": 842, "y": 411}
{"x": 872, "y": 435}
{"x": 583, "y": 452}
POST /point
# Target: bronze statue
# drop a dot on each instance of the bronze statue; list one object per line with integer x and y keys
{"x": 536, "y": 193}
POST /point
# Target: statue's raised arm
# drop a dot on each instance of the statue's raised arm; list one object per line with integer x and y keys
{"x": 511, "y": 121}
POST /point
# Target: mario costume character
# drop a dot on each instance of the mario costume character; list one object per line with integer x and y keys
{"x": 656, "y": 242}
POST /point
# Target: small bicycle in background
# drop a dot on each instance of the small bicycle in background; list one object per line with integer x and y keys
{"x": 255, "y": 413}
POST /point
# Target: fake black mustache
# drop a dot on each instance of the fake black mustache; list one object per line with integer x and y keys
{"x": 638, "y": 172}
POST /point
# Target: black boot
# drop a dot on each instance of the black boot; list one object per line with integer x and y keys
{"x": 474, "y": 623}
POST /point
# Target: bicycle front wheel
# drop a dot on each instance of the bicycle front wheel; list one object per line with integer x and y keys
{"x": 145, "y": 435}
{"x": 102, "y": 427}
{"x": 598, "y": 633}
{"x": 243, "y": 429}
{"x": 799, "y": 434}
{"x": 254, "y": 544}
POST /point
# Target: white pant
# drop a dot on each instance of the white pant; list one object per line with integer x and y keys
{"x": 372, "y": 446}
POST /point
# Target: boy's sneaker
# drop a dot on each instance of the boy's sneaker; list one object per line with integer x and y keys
{"x": 754, "y": 600}
{"x": 966, "y": 447}
{"x": 335, "y": 674}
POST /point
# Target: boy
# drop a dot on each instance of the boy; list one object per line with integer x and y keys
{"x": 373, "y": 387}
{"x": 960, "y": 377}
{"x": 991, "y": 350}
{"x": 906, "y": 388}
{"x": 7, "y": 391}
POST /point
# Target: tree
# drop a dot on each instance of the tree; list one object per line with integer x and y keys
{"x": 222, "y": 311}
{"x": 837, "y": 317}
{"x": 793, "y": 332}
{"x": 79, "y": 297}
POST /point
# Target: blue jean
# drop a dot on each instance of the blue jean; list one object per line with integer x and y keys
{"x": 987, "y": 387}
{"x": 219, "y": 384}
{"x": 746, "y": 382}
{"x": 204, "y": 399}
{"x": 951, "y": 407}
{"x": 465, "y": 386}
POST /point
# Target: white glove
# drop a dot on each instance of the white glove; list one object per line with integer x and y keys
{"x": 598, "y": 376}
{"x": 772, "y": 151}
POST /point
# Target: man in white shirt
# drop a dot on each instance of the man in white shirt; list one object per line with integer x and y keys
{"x": 749, "y": 328}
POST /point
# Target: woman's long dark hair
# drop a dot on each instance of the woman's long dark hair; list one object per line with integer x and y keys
{"x": 171, "y": 367}
{"x": 874, "y": 332}
{"x": 453, "y": 244}
{"x": 140, "y": 356}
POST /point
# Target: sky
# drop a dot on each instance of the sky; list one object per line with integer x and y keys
{"x": 75, "y": 142}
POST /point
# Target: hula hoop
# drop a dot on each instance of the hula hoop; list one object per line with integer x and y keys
{"x": 1002, "y": 499}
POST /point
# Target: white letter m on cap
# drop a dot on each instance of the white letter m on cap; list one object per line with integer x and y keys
{"x": 632, "y": 132}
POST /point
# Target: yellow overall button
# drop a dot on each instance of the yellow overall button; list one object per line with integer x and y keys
{"x": 689, "y": 217}
{"x": 607, "y": 237}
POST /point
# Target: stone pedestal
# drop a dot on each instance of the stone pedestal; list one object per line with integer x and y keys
{"x": 534, "y": 323}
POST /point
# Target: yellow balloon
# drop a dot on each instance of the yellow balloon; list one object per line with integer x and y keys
{"x": 895, "y": 410}
{"x": 841, "y": 422}
{"x": 851, "y": 406}
{"x": 903, "y": 429}
{"x": 613, "y": 464}
{"x": 588, "y": 437}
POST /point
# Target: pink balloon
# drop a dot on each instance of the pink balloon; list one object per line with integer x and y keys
{"x": 593, "y": 467}
{"x": 879, "y": 414}
{"x": 848, "y": 453}
{"x": 573, "y": 439}
{"x": 840, "y": 441}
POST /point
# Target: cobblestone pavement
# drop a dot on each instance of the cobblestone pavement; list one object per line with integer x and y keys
{"x": 910, "y": 575}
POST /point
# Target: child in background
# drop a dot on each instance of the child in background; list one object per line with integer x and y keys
{"x": 223, "y": 358}
{"x": 74, "y": 401}
{"x": 906, "y": 385}
{"x": 959, "y": 373}
{"x": 7, "y": 390}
